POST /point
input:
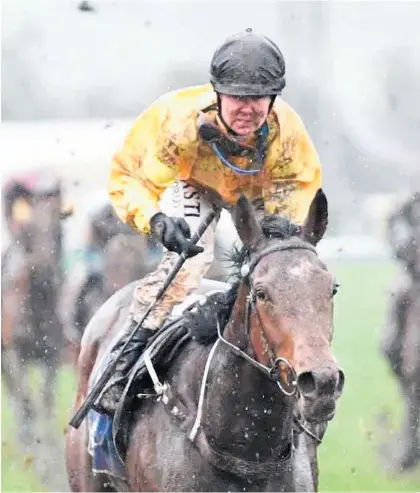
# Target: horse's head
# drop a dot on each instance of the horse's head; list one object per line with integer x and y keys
{"x": 289, "y": 296}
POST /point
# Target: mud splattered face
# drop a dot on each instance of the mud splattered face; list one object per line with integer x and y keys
{"x": 244, "y": 115}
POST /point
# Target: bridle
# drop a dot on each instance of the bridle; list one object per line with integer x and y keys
{"x": 277, "y": 363}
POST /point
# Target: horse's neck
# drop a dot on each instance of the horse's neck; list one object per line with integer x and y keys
{"x": 245, "y": 412}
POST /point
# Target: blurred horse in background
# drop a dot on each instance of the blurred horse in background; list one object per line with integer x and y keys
{"x": 31, "y": 275}
{"x": 401, "y": 336}
{"x": 113, "y": 255}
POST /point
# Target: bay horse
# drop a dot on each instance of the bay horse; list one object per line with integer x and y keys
{"x": 400, "y": 342}
{"x": 404, "y": 362}
{"x": 32, "y": 330}
{"x": 254, "y": 385}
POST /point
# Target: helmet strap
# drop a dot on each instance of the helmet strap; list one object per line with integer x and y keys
{"x": 224, "y": 145}
{"x": 219, "y": 113}
{"x": 273, "y": 98}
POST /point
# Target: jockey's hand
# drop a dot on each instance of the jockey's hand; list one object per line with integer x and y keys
{"x": 174, "y": 234}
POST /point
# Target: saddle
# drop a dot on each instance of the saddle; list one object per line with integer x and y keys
{"x": 162, "y": 348}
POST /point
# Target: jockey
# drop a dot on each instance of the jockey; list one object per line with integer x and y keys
{"x": 197, "y": 145}
{"x": 17, "y": 194}
{"x": 404, "y": 240}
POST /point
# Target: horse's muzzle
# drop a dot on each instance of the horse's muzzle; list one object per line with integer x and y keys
{"x": 319, "y": 390}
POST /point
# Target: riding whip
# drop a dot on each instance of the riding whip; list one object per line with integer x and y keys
{"x": 106, "y": 375}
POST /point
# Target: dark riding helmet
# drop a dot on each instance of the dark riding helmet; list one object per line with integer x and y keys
{"x": 247, "y": 64}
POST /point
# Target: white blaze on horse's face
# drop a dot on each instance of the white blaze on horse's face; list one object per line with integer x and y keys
{"x": 302, "y": 271}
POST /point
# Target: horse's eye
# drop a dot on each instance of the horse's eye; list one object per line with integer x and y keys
{"x": 261, "y": 295}
{"x": 335, "y": 288}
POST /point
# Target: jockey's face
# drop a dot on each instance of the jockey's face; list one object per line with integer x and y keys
{"x": 244, "y": 115}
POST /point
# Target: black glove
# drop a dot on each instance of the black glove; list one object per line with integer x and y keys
{"x": 174, "y": 233}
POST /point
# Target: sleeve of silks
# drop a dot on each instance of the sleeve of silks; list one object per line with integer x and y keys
{"x": 138, "y": 176}
{"x": 296, "y": 175}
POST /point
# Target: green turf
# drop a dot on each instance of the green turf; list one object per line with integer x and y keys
{"x": 349, "y": 459}
{"x": 17, "y": 472}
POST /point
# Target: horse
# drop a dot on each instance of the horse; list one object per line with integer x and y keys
{"x": 402, "y": 356}
{"x": 247, "y": 395}
{"x": 400, "y": 341}
{"x": 32, "y": 331}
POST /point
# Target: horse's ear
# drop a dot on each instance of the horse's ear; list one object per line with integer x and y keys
{"x": 245, "y": 221}
{"x": 317, "y": 219}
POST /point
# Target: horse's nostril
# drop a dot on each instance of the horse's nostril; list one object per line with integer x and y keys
{"x": 306, "y": 383}
{"x": 340, "y": 383}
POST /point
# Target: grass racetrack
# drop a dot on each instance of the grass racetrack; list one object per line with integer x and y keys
{"x": 351, "y": 457}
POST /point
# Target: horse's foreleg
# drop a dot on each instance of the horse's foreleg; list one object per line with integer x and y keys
{"x": 17, "y": 372}
{"x": 50, "y": 389}
{"x": 410, "y": 441}
{"x": 28, "y": 416}
{"x": 392, "y": 337}
{"x": 50, "y": 436}
{"x": 7, "y": 373}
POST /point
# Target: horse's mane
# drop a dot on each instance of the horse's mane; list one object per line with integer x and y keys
{"x": 273, "y": 226}
{"x": 202, "y": 322}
